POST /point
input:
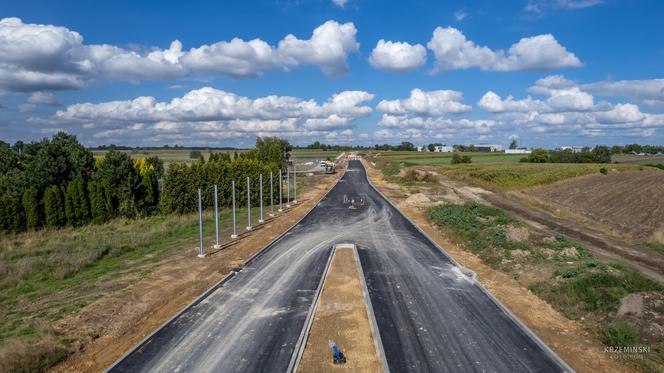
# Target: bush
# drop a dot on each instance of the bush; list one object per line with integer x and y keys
{"x": 539, "y": 155}
{"x": 620, "y": 334}
{"x": 458, "y": 159}
{"x": 195, "y": 154}
{"x": 603, "y": 171}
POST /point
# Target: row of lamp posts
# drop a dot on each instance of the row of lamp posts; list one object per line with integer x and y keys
{"x": 261, "y": 218}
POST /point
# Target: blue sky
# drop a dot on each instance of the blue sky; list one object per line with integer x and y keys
{"x": 581, "y": 72}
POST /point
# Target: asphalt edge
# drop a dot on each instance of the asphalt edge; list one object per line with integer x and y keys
{"x": 217, "y": 285}
{"x": 298, "y": 351}
{"x": 547, "y": 350}
{"x": 378, "y": 342}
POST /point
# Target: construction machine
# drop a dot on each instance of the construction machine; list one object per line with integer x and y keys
{"x": 329, "y": 166}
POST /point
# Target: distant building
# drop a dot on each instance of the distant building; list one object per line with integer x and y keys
{"x": 422, "y": 149}
{"x": 488, "y": 147}
{"x": 444, "y": 149}
{"x": 517, "y": 151}
{"x": 574, "y": 149}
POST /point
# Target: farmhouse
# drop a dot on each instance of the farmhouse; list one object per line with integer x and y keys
{"x": 574, "y": 149}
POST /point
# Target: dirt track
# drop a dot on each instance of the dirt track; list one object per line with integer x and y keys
{"x": 629, "y": 203}
{"x": 116, "y": 322}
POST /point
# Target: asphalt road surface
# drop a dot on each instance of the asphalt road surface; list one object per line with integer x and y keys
{"x": 430, "y": 315}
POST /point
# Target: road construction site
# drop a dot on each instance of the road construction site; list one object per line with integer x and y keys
{"x": 425, "y": 311}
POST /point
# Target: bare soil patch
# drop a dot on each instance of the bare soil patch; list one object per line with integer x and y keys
{"x": 628, "y": 202}
{"x": 110, "y": 326}
{"x": 342, "y": 317}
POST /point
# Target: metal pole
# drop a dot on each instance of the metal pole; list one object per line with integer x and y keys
{"x": 280, "y": 194}
{"x": 216, "y": 219}
{"x": 234, "y": 235}
{"x": 294, "y": 185}
{"x": 201, "y": 254}
{"x": 271, "y": 197}
{"x": 260, "y": 182}
{"x": 287, "y": 187}
{"x": 248, "y": 205}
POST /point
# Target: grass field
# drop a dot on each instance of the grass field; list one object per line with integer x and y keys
{"x": 182, "y": 155}
{"x": 505, "y": 176}
{"x": 167, "y": 155}
{"x": 426, "y": 158}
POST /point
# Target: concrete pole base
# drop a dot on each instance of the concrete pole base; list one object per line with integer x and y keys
{"x": 249, "y": 228}
{"x": 281, "y": 210}
{"x": 288, "y": 206}
{"x": 201, "y": 256}
{"x": 295, "y": 202}
{"x": 261, "y": 221}
{"x": 233, "y": 235}
{"x": 216, "y": 246}
{"x": 271, "y": 215}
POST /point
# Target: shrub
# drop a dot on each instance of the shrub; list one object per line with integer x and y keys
{"x": 603, "y": 171}
{"x": 539, "y": 155}
{"x": 195, "y": 154}
{"x": 458, "y": 159}
{"x": 620, "y": 334}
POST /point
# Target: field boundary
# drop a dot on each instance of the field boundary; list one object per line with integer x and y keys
{"x": 547, "y": 350}
{"x": 221, "y": 282}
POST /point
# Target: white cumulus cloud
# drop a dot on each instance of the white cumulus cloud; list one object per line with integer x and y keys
{"x": 453, "y": 51}
{"x": 38, "y": 57}
{"x": 426, "y": 103}
{"x": 397, "y": 56}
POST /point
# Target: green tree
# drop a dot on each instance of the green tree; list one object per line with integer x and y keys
{"x": 12, "y": 217}
{"x": 32, "y": 209}
{"x": 538, "y": 155}
{"x": 513, "y": 144}
{"x": 54, "y": 207}
{"x": 272, "y": 150}
{"x": 195, "y": 154}
{"x": 124, "y": 182}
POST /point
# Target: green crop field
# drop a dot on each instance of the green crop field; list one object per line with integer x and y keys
{"x": 447, "y": 158}
{"x": 509, "y": 176}
{"x": 311, "y": 154}
{"x": 167, "y": 155}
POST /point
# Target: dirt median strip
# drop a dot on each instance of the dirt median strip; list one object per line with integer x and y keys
{"x": 341, "y": 316}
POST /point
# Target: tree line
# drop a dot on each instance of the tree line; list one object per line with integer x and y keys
{"x": 57, "y": 182}
{"x": 598, "y": 154}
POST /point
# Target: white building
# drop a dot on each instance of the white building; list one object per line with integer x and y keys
{"x": 574, "y": 149}
{"x": 488, "y": 147}
{"x": 444, "y": 149}
{"x": 517, "y": 151}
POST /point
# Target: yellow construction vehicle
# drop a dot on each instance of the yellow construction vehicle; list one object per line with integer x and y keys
{"x": 329, "y": 166}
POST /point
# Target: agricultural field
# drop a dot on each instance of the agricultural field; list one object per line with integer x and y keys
{"x": 425, "y": 158}
{"x": 504, "y": 177}
{"x": 306, "y": 155}
{"x": 167, "y": 155}
{"x": 170, "y": 156}
{"x": 628, "y": 202}
{"x": 639, "y": 159}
